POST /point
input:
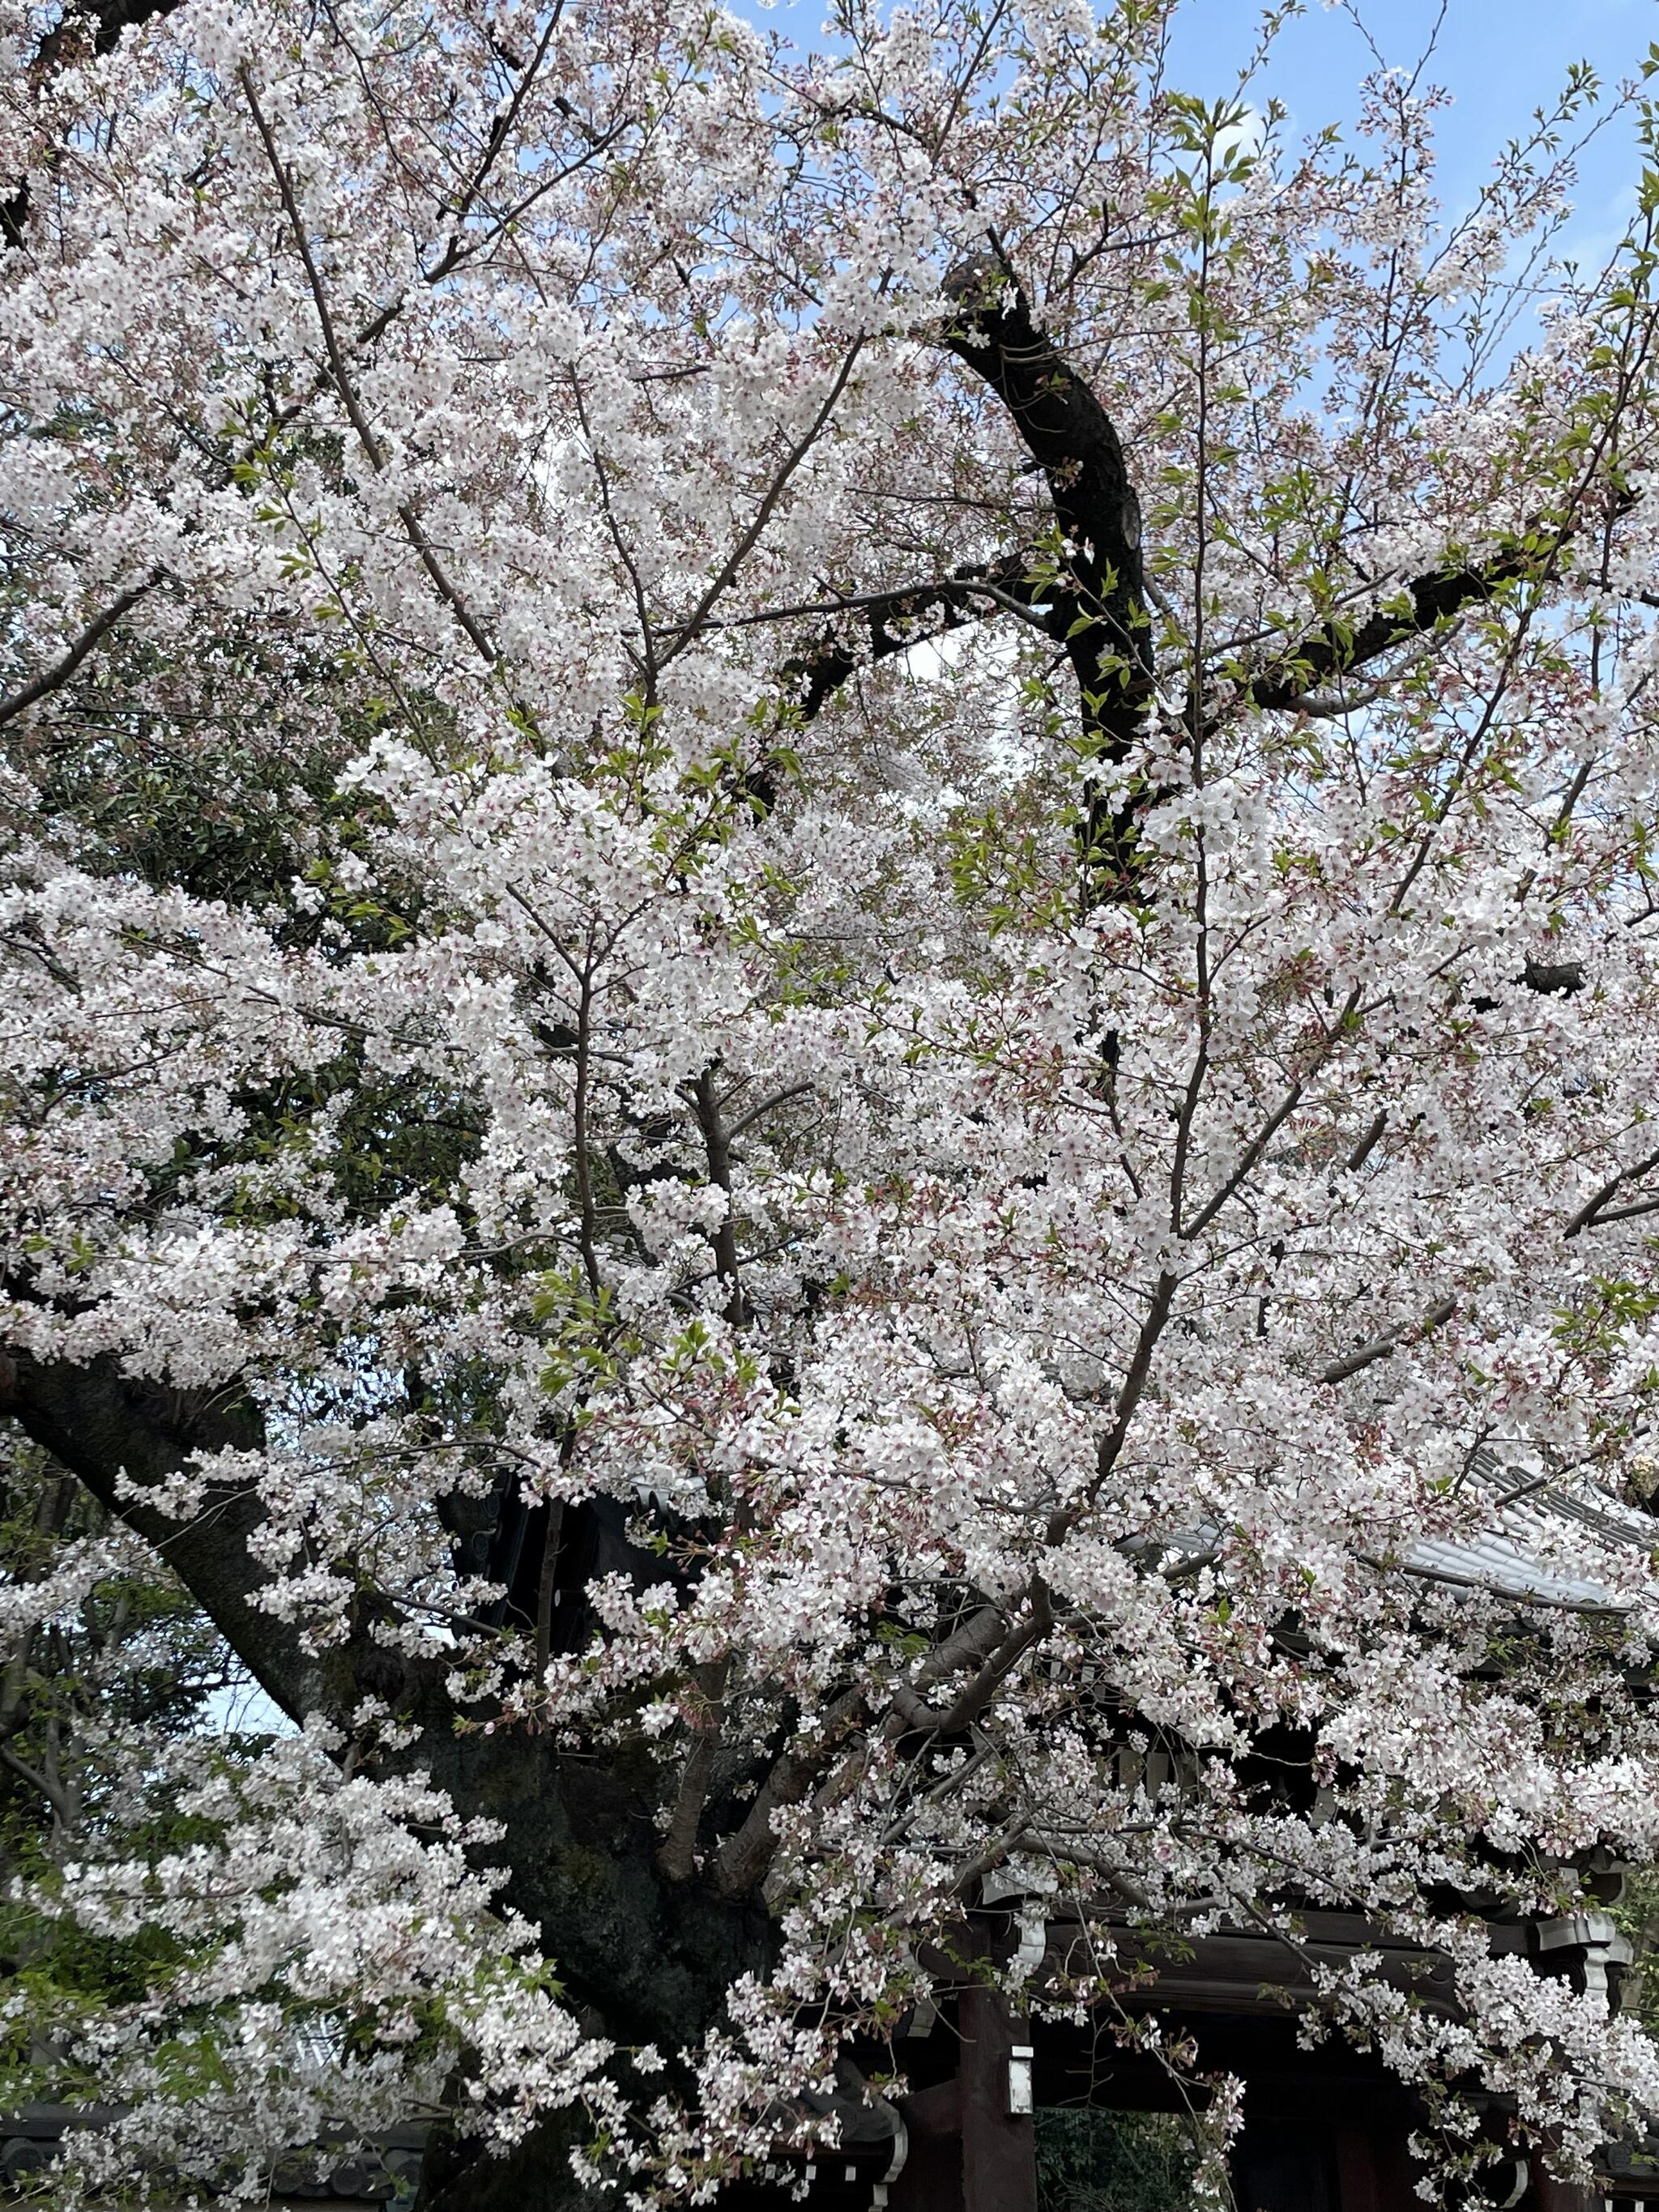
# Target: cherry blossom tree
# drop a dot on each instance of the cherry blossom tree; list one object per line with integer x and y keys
{"x": 831, "y": 988}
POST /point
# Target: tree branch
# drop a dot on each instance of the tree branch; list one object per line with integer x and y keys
{"x": 1335, "y": 650}
{"x": 1415, "y": 608}
{"x": 59, "y": 673}
{"x": 103, "y": 1424}
{"x": 745, "y": 1855}
{"x": 684, "y": 632}
{"x": 1353, "y": 1363}
{"x": 817, "y": 676}
{"x": 1591, "y": 1211}
{"x": 1098, "y": 611}
{"x": 1074, "y": 441}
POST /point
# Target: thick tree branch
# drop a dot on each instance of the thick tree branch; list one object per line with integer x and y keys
{"x": 1593, "y": 1211}
{"x": 655, "y": 1957}
{"x": 103, "y": 1424}
{"x": 1096, "y": 603}
{"x": 977, "y": 1693}
{"x": 745, "y": 1855}
{"x": 678, "y": 1856}
{"x": 1414, "y": 608}
{"x": 1074, "y": 441}
{"x": 978, "y": 1642}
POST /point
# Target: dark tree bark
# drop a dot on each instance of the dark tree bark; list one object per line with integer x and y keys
{"x": 647, "y": 1959}
{"x": 95, "y": 23}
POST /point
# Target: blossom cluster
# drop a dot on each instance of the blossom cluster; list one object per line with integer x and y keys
{"x": 558, "y": 957}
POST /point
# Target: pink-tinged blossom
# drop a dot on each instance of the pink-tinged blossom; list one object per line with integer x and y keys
{"x": 575, "y": 942}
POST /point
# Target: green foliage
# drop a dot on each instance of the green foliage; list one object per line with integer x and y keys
{"x": 134, "y": 1654}
{"x": 1099, "y": 2162}
{"x": 1638, "y": 1916}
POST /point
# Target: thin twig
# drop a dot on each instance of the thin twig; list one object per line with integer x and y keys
{"x": 685, "y": 631}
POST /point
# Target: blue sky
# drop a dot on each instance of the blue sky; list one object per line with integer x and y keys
{"x": 1498, "y": 58}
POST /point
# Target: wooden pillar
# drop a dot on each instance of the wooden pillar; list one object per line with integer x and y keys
{"x": 1283, "y": 2166}
{"x": 1373, "y": 2167}
{"x": 1547, "y": 2194}
{"x": 998, "y": 2147}
{"x": 931, "y": 2180}
{"x": 1360, "y": 2184}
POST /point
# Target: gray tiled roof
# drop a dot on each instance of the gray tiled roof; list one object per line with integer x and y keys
{"x": 1543, "y": 1538}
